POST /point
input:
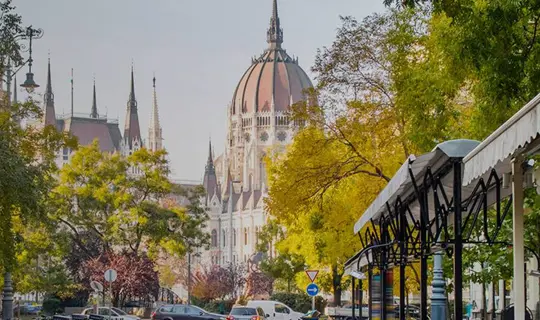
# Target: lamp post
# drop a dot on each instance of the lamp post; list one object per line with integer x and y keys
{"x": 29, "y": 84}
{"x": 438, "y": 300}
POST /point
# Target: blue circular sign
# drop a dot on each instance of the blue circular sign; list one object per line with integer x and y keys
{"x": 312, "y": 289}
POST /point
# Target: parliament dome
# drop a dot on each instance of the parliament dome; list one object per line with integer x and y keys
{"x": 274, "y": 81}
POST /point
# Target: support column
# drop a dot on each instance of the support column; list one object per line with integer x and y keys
{"x": 353, "y": 280}
{"x": 458, "y": 244}
{"x": 518, "y": 242}
{"x": 370, "y": 292}
{"x": 403, "y": 263}
{"x": 438, "y": 298}
{"x": 361, "y": 299}
{"x": 424, "y": 218}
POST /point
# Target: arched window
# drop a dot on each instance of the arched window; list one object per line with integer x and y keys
{"x": 224, "y": 233}
{"x": 245, "y": 236}
{"x": 234, "y": 237}
{"x": 214, "y": 238}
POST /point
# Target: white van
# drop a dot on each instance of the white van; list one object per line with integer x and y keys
{"x": 275, "y": 310}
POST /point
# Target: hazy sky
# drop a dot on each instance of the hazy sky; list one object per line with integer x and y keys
{"x": 198, "y": 50}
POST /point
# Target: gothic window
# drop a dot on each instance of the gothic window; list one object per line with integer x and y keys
{"x": 234, "y": 237}
{"x": 224, "y": 237}
{"x": 65, "y": 154}
{"x": 214, "y": 238}
{"x": 281, "y": 136}
{"x": 245, "y": 236}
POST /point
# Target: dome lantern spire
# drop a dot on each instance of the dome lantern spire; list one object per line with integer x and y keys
{"x": 274, "y": 35}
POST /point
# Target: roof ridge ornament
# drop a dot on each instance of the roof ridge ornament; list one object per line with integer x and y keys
{"x": 274, "y": 35}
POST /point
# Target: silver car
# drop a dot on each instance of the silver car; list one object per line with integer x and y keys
{"x": 246, "y": 313}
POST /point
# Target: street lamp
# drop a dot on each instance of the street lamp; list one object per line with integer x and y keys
{"x": 29, "y": 85}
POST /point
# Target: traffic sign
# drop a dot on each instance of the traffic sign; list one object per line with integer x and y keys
{"x": 98, "y": 287}
{"x": 312, "y": 289}
{"x": 110, "y": 275}
{"x": 312, "y": 274}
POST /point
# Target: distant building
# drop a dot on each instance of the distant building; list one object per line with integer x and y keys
{"x": 257, "y": 119}
{"x": 91, "y": 126}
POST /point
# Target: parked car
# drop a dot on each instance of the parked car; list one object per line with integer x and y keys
{"x": 115, "y": 312}
{"x": 247, "y": 313}
{"x": 275, "y": 310}
{"x": 27, "y": 309}
{"x": 184, "y": 312}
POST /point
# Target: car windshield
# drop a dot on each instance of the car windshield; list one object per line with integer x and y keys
{"x": 119, "y": 311}
{"x": 243, "y": 312}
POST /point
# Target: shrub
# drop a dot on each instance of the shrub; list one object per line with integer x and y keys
{"x": 299, "y": 302}
{"x": 51, "y": 305}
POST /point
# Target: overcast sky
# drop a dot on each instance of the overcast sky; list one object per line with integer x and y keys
{"x": 198, "y": 50}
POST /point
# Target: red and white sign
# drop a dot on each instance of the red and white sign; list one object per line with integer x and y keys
{"x": 312, "y": 274}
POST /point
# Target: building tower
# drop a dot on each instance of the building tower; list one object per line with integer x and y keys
{"x": 49, "y": 116}
{"x": 155, "y": 139}
{"x": 132, "y": 131}
{"x": 257, "y": 119}
{"x": 210, "y": 181}
{"x": 94, "y": 112}
{"x": 258, "y": 114}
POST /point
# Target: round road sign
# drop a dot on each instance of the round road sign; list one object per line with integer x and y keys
{"x": 110, "y": 275}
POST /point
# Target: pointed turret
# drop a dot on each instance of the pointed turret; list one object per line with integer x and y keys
{"x": 210, "y": 181}
{"x": 49, "y": 116}
{"x": 94, "y": 112}
{"x": 132, "y": 131}
{"x": 274, "y": 35}
{"x": 154, "y": 130}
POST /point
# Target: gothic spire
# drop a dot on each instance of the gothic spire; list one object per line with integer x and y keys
{"x": 210, "y": 169}
{"x": 132, "y": 129}
{"x": 49, "y": 116}
{"x": 94, "y": 112}
{"x": 274, "y": 35}
{"x": 154, "y": 131}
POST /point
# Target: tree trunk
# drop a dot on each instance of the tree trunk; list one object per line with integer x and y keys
{"x": 336, "y": 284}
{"x": 288, "y": 285}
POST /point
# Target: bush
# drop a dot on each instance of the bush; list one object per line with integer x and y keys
{"x": 299, "y": 302}
{"x": 216, "y": 306}
{"x": 51, "y": 305}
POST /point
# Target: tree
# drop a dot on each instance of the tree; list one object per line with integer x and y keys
{"x": 285, "y": 266}
{"x": 136, "y": 275}
{"x": 218, "y": 282}
{"x": 207, "y": 284}
{"x": 258, "y": 283}
{"x": 98, "y": 194}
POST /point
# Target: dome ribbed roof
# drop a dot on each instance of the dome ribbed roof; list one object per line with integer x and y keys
{"x": 274, "y": 77}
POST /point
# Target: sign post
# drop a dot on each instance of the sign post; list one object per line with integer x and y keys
{"x": 312, "y": 289}
{"x": 110, "y": 276}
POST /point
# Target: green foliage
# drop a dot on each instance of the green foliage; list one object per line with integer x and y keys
{"x": 285, "y": 266}
{"x": 214, "y": 306}
{"x": 51, "y": 305}
{"x": 99, "y": 194}
{"x": 26, "y": 167}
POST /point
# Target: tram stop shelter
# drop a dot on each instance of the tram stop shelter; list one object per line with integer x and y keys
{"x": 416, "y": 214}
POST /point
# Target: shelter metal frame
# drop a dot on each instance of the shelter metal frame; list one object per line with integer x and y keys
{"x": 416, "y": 224}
